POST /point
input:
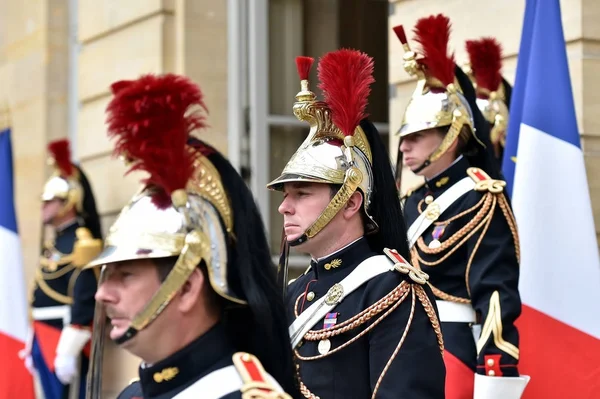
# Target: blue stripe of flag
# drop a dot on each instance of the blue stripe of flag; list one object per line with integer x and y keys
{"x": 542, "y": 96}
{"x": 8, "y": 218}
{"x": 549, "y": 104}
{"x": 518, "y": 96}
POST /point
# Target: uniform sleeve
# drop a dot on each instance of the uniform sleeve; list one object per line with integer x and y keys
{"x": 416, "y": 369}
{"x": 493, "y": 279}
{"x": 82, "y": 310}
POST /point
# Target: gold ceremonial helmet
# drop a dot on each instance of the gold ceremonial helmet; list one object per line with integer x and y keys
{"x": 64, "y": 182}
{"x": 183, "y": 209}
{"x": 484, "y": 69}
{"x": 437, "y": 100}
{"x": 336, "y": 150}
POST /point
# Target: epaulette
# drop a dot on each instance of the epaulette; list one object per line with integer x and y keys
{"x": 411, "y": 190}
{"x": 401, "y": 265}
{"x": 256, "y": 381}
{"x": 86, "y": 247}
{"x": 483, "y": 181}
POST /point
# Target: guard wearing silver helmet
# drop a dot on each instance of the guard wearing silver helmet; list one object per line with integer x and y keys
{"x": 62, "y": 306}
{"x": 462, "y": 231}
{"x": 363, "y": 321}
{"x": 187, "y": 281}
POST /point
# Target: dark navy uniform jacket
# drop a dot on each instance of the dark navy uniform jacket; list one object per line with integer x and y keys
{"x": 396, "y": 353}
{"x": 477, "y": 263}
{"x": 68, "y": 281}
{"x": 211, "y": 352}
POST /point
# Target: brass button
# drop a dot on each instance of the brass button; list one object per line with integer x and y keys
{"x": 428, "y": 199}
{"x": 491, "y": 373}
{"x": 490, "y": 362}
{"x": 310, "y": 296}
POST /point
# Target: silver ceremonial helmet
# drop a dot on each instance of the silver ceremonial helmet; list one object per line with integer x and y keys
{"x": 328, "y": 156}
{"x": 434, "y": 104}
{"x": 64, "y": 182}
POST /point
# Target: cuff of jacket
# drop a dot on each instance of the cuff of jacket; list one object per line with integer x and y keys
{"x": 499, "y": 387}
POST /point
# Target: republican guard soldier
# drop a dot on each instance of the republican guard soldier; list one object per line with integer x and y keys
{"x": 187, "y": 280}
{"x": 62, "y": 306}
{"x": 462, "y": 231}
{"x": 364, "y": 324}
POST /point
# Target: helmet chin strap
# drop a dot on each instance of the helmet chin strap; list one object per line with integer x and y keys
{"x": 423, "y": 166}
{"x": 300, "y": 240}
{"x": 435, "y": 154}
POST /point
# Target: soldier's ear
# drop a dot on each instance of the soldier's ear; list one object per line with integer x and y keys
{"x": 354, "y": 204}
{"x": 191, "y": 291}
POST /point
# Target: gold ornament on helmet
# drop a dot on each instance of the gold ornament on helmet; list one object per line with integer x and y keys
{"x": 64, "y": 183}
{"x": 485, "y": 64}
{"x": 437, "y": 100}
{"x": 336, "y": 150}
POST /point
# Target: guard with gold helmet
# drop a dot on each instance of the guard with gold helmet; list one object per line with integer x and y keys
{"x": 462, "y": 231}
{"x": 62, "y": 306}
{"x": 187, "y": 281}
{"x": 493, "y": 91}
{"x": 364, "y": 324}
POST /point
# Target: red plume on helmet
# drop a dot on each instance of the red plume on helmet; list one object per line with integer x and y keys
{"x": 151, "y": 119}
{"x": 346, "y": 76}
{"x": 60, "y": 151}
{"x": 304, "y": 64}
{"x": 433, "y": 34}
{"x": 485, "y": 56}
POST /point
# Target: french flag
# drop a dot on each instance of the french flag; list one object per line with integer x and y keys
{"x": 545, "y": 171}
{"x": 15, "y": 380}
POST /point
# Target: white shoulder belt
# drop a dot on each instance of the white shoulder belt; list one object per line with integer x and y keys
{"x": 437, "y": 207}
{"x": 365, "y": 271}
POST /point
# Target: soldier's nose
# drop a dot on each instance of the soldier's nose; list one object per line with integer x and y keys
{"x": 103, "y": 294}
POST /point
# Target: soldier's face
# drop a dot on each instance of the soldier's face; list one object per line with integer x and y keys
{"x": 417, "y": 147}
{"x": 50, "y": 209}
{"x": 125, "y": 290}
{"x": 301, "y": 206}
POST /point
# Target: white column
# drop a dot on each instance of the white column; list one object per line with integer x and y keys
{"x": 236, "y": 76}
{"x": 258, "y": 38}
{"x": 73, "y": 77}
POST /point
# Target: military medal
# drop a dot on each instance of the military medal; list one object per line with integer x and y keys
{"x": 438, "y": 231}
{"x": 325, "y": 344}
{"x": 330, "y": 320}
